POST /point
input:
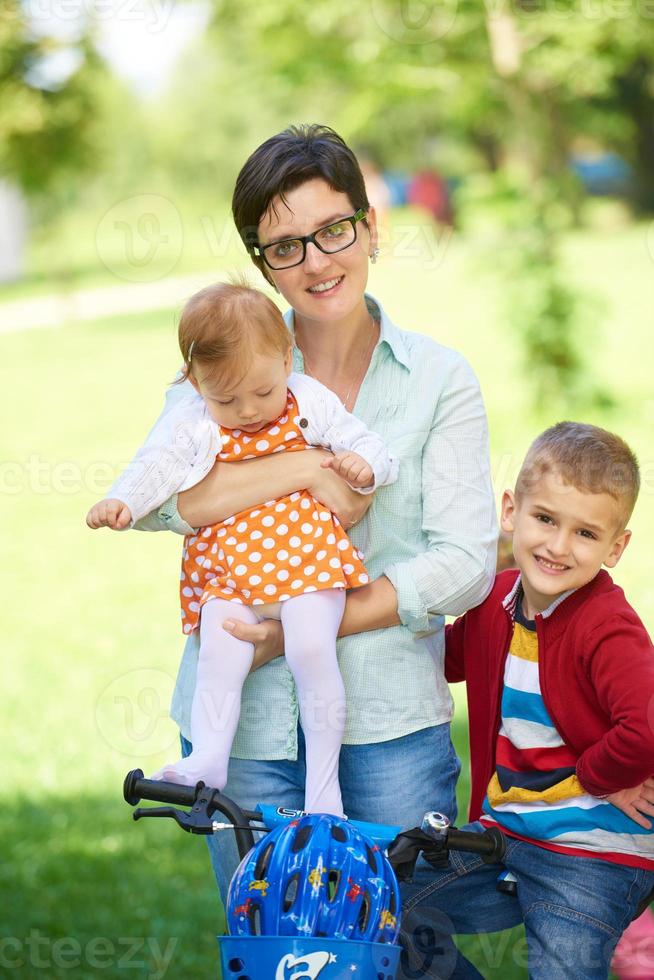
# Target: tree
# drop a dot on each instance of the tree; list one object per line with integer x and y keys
{"x": 48, "y": 128}
{"x": 511, "y": 83}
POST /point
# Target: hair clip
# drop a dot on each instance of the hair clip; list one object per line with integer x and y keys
{"x": 190, "y": 353}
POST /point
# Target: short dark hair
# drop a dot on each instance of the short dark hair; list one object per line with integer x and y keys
{"x": 282, "y": 163}
{"x": 586, "y": 457}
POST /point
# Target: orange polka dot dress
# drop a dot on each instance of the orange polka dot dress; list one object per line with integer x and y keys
{"x": 279, "y": 549}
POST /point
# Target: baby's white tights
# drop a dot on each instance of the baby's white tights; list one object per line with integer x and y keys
{"x": 310, "y": 623}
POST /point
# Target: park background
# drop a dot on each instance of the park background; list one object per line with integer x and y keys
{"x": 123, "y": 124}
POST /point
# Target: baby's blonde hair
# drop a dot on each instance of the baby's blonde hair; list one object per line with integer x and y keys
{"x": 224, "y": 325}
{"x": 586, "y": 457}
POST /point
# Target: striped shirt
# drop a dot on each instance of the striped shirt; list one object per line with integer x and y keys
{"x": 433, "y": 533}
{"x": 534, "y": 793}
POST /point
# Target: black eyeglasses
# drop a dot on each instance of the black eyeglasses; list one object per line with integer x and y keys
{"x": 292, "y": 251}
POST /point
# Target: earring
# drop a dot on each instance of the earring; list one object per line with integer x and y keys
{"x": 374, "y": 255}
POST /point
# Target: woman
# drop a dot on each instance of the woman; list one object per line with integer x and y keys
{"x": 429, "y": 540}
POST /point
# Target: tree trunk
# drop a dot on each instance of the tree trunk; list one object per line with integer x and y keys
{"x": 634, "y": 90}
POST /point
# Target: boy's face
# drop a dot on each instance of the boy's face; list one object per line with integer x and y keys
{"x": 252, "y": 402}
{"x": 561, "y": 537}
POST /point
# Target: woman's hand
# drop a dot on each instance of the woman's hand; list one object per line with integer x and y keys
{"x": 334, "y": 493}
{"x": 372, "y": 607}
{"x": 267, "y": 636}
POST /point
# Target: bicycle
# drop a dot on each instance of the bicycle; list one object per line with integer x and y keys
{"x": 244, "y": 957}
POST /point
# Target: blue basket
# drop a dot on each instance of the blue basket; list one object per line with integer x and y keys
{"x": 282, "y": 957}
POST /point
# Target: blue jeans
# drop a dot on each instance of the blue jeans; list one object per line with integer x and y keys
{"x": 574, "y": 909}
{"x": 392, "y": 782}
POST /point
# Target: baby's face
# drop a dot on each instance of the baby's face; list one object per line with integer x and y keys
{"x": 252, "y": 401}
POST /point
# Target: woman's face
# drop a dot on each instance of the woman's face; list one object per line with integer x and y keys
{"x": 324, "y": 287}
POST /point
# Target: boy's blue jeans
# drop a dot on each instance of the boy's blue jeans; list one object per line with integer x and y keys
{"x": 574, "y": 910}
{"x": 392, "y": 782}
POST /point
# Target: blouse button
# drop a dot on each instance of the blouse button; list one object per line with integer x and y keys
{"x": 303, "y": 423}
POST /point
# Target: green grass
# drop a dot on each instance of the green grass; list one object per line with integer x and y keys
{"x": 91, "y": 623}
{"x": 86, "y": 893}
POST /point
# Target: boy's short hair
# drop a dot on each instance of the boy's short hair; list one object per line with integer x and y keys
{"x": 222, "y": 326}
{"x": 586, "y": 457}
{"x": 282, "y": 163}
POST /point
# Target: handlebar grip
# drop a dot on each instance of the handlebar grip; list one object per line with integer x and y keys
{"x": 491, "y": 844}
{"x": 137, "y": 788}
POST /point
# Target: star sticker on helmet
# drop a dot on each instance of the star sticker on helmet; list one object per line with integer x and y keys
{"x": 315, "y": 877}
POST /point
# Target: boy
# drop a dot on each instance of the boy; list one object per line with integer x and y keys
{"x": 560, "y": 685}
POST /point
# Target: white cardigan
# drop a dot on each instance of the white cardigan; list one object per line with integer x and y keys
{"x": 184, "y": 442}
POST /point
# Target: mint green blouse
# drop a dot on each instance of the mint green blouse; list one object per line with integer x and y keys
{"x": 433, "y": 533}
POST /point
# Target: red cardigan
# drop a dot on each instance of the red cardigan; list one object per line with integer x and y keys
{"x": 596, "y": 669}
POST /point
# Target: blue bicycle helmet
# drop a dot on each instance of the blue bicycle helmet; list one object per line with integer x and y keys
{"x": 316, "y": 876}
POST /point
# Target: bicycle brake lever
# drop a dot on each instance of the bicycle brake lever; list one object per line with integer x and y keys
{"x": 199, "y": 820}
{"x": 403, "y": 852}
{"x": 193, "y": 823}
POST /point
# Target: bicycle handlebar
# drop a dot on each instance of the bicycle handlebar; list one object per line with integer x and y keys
{"x": 203, "y": 800}
{"x": 403, "y": 846}
{"x": 137, "y": 788}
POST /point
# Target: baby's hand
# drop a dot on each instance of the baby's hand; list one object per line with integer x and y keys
{"x": 352, "y": 468}
{"x": 109, "y": 513}
{"x": 636, "y": 801}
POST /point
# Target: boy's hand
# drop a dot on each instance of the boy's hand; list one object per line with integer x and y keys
{"x": 352, "y": 468}
{"x": 636, "y": 802}
{"x": 109, "y": 513}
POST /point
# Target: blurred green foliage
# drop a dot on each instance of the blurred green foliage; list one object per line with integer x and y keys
{"x": 498, "y": 87}
{"x": 495, "y": 77}
{"x": 468, "y": 85}
{"x": 490, "y": 92}
{"x": 49, "y": 130}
